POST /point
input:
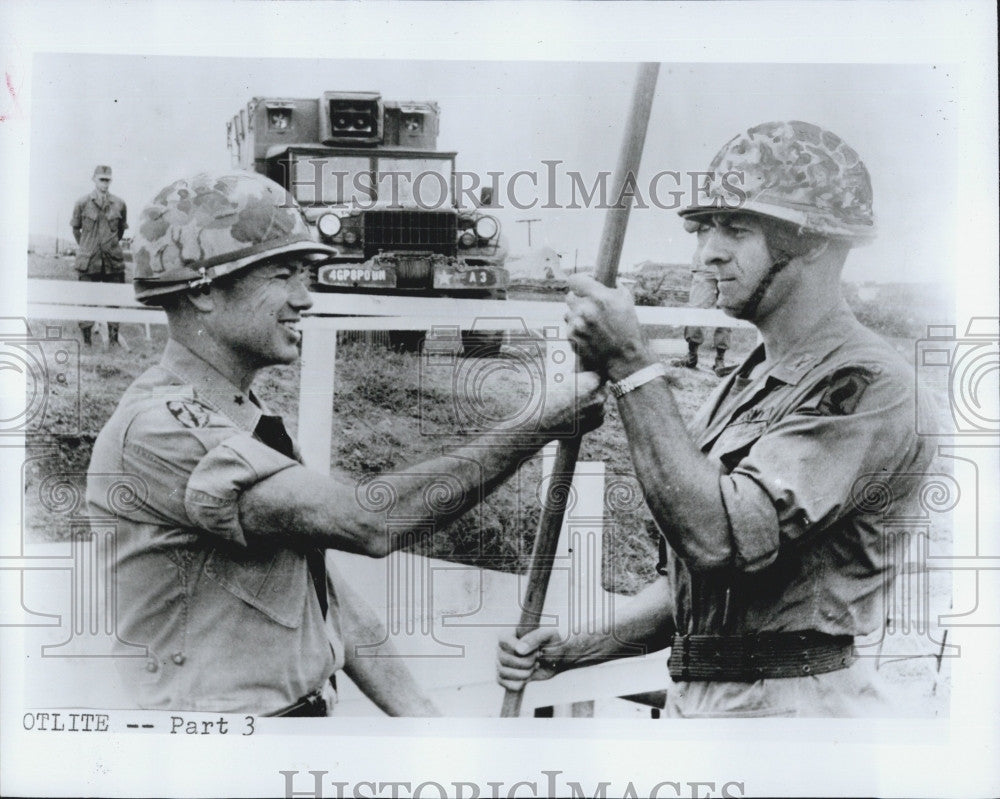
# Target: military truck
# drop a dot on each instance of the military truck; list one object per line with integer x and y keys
{"x": 369, "y": 177}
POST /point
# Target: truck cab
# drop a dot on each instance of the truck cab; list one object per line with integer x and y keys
{"x": 372, "y": 184}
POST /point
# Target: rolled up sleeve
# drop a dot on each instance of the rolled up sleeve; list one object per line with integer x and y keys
{"x": 192, "y": 476}
{"x": 753, "y": 522}
{"x": 212, "y": 494}
{"x": 801, "y": 473}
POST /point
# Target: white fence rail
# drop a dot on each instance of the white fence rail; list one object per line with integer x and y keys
{"x": 67, "y": 299}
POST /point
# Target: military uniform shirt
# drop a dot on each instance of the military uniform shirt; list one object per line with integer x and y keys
{"x": 797, "y": 447}
{"x": 102, "y": 222}
{"x": 230, "y": 623}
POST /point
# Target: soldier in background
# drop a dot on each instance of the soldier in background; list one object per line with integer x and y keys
{"x": 99, "y": 222}
{"x": 220, "y": 570}
{"x": 704, "y": 293}
{"x": 771, "y": 561}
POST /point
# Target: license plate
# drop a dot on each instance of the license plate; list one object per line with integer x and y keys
{"x": 478, "y": 277}
{"x": 450, "y": 277}
{"x": 337, "y": 275}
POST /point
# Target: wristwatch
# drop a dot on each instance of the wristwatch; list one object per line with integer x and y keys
{"x": 636, "y": 379}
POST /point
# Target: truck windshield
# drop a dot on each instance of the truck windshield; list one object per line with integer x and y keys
{"x": 425, "y": 182}
{"x": 347, "y": 180}
{"x": 335, "y": 180}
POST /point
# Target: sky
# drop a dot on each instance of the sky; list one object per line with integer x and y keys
{"x": 157, "y": 118}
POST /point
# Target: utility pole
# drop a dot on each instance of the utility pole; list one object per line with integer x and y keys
{"x": 528, "y": 223}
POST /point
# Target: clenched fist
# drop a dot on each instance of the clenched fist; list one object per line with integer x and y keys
{"x": 604, "y": 329}
{"x": 532, "y": 657}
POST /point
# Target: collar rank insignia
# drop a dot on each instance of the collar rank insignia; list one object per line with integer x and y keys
{"x": 189, "y": 414}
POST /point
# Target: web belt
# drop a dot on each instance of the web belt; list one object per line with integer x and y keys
{"x": 758, "y": 656}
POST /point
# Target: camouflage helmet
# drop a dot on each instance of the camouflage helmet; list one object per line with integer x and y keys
{"x": 203, "y": 227}
{"x": 796, "y": 172}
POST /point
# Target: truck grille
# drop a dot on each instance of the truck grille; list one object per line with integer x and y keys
{"x": 426, "y": 231}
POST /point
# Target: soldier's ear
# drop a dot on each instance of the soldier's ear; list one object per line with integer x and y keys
{"x": 816, "y": 250}
{"x": 201, "y": 300}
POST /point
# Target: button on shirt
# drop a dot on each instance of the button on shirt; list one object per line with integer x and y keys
{"x": 796, "y": 446}
{"x": 102, "y": 222}
{"x": 230, "y": 623}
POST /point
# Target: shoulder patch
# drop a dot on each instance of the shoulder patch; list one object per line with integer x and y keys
{"x": 844, "y": 390}
{"x": 188, "y": 413}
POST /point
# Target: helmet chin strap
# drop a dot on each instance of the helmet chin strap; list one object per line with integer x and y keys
{"x": 749, "y": 308}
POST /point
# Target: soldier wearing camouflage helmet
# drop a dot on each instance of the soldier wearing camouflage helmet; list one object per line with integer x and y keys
{"x": 219, "y": 561}
{"x": 772, "y": 562}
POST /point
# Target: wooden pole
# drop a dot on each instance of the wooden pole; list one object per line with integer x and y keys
{"x": 612, "y": 238}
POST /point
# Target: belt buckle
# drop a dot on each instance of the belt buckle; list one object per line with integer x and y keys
{"x": 317, "y": 702}
{"x": 312, "y": 704}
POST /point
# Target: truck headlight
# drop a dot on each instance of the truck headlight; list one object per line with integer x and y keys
{"x": 329, "y": 225}
{"x": 467, "y": 239}
{"x": 486, "y": 227}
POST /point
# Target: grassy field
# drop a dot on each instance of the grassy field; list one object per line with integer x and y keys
{"x": 388, "y": 414}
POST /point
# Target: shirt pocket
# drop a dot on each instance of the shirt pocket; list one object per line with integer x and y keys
{"x": 274, "y": 583}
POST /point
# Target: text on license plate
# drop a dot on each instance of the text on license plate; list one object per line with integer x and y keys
{"x": 349, "y": 274}
{"x": 478, "y": 277}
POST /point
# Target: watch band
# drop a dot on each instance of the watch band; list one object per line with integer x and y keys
{"x": 636, "y": 379}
